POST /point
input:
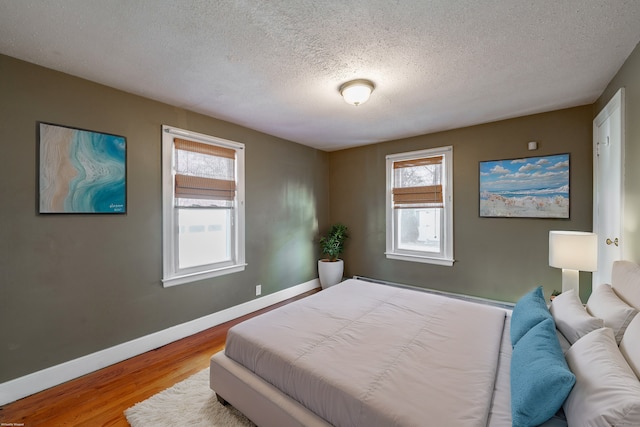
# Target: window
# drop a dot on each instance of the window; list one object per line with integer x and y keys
{"x": 420, "y": 206}
{"x": 203, "y": 206}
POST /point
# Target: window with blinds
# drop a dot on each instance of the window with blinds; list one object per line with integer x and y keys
{"x": 419, "y": 206}
{"x": 204, "y": 174}
{"x": 418, "y": 183}
{"x": 203, "y": 199}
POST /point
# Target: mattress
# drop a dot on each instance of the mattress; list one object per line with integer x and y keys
{"x": 360, "y": 353}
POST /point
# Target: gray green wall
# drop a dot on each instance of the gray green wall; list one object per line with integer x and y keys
{"x": 629, "y": 78}
{"x": 498, "y": 258}
{"x": 71, "y": 285}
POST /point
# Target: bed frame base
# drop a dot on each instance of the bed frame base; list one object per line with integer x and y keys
{"x": 258, "y": 400}
{"x": 221, "y": 400}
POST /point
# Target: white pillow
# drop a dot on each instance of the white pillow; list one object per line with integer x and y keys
{"x": 630, "y": 345}
{"x": 571, "y": 317}
{"x": 625, "y": 280}
{"x": 605, "y": 304}
{"x": 607, "y": 392}
{"x": 564, "y": 344}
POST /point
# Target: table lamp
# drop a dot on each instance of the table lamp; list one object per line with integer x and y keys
{"x": 573, "y": 251}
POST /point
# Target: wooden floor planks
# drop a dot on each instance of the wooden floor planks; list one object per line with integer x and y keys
{"x": 100, "y": 398}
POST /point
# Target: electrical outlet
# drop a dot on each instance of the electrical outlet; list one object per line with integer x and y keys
{"x": 258, "y": 290}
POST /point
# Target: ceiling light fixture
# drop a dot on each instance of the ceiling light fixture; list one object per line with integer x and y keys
{"x": 356, "y": 92}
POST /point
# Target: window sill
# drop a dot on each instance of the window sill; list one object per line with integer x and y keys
{"x": 188, "y": 278}
{"x": 423, "y": 259}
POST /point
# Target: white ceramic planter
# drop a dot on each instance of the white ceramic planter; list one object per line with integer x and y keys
{"x": 330, "y": 273}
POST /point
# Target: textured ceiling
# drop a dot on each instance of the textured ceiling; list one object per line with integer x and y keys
{"x": 276, "y": 66}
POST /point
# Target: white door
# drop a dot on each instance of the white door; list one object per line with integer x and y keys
{"x": 608, "y": 146}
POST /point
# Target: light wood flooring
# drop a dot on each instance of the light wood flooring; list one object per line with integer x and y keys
{"x": 100, "y": 398}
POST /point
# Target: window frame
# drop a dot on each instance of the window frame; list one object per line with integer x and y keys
{"x": 445, "y": 257}
{"x": 172, "y": 275}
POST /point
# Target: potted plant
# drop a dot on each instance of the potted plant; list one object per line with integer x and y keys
{"x": 331, "y": 268}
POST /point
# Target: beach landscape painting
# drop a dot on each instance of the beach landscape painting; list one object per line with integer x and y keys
{"x": 531, "y": 187}
{"x": 81, "y": 171}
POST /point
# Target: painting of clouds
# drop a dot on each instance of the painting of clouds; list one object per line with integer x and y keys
{"x": 81, "y": 171}
{"x": 532, "y": 187}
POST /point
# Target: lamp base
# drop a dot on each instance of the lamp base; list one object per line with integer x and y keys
{"x": 570, "y": 280}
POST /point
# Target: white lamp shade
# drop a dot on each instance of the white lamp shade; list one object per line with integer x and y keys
{"x": 573, "y": 250}
{"x": 356, "y": 92}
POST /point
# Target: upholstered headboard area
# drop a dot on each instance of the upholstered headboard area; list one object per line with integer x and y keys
{"x": 602, "y": 348}
{"x": 625, "y": 280}
{"x": 606, "y": 361}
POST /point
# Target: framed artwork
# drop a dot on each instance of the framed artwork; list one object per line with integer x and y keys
{"x": 530, "y": 187}
{"x": 81, "y": 171}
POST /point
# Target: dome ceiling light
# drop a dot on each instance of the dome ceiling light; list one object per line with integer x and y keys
{"x": 356, "y": 92}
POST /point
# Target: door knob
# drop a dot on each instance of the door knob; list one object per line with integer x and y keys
{"x": 609, "y": 241}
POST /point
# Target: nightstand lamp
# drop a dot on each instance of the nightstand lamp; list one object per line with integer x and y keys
{"x": 573, "y": 251}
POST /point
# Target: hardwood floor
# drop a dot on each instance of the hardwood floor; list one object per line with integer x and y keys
{"x": 100, "y": 398}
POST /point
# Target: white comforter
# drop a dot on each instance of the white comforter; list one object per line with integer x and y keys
{"x": 362, "y": 354}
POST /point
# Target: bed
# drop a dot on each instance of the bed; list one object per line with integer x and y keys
{"x": 369, "y": 354}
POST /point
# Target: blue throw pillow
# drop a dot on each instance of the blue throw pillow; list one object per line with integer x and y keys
{"x": 530, "y": 310}
{"x": 540, "y": 377}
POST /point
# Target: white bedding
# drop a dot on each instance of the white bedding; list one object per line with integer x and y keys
{"x": 434, "y": 361}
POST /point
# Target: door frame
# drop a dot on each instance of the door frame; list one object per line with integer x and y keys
{"x": 617, "y": 102}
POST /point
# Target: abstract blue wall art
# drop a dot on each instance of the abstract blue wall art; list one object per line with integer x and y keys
{"x": 532, "y": 187}
{"x": 81, "y": 171}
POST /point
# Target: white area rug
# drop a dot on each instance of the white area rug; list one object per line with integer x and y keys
{"x": 188, "y": 403}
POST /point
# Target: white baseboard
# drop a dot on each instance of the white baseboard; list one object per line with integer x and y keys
{"x": 27, "y": 385}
